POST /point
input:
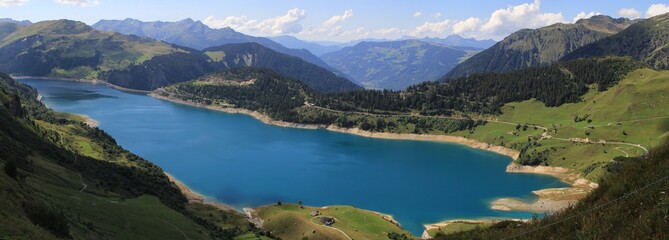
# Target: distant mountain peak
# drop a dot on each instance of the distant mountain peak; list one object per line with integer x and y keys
{"x": 9, "y": 20}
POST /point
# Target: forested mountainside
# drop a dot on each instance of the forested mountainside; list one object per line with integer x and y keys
{"x": 257, "y": 56}
{"x": 62, "y": 179}
{"x": 283, "y": 99}
{"x": 542, "y": 46}
{"x": 398, "y": 64}
{"x": 197, "y": 35}
{"x": 646, "y": 41}
{"x": 69, "y": 49}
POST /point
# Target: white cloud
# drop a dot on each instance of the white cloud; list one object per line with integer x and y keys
{"x": 657, "y": 9}
{"x": 527, "y": 15}
{"x": 285, "y": 24}
{"x": 80, "y": 3}
{"x": 12, "y": 3}
{"x": 432, "y": 28}
{"x": 436, "y": 15}
{"x": 583, "y": 15}
{"x": 501, "y": 22}
{"x": 417, "y": 14}
{"x": 630, "y": 13}
{"x": 465, "y": 26}
{"x": 336, "y": 19}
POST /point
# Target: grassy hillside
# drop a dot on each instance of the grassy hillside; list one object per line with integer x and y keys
{"x": 290, "y": 221}
{"x": 64, "y": 48}
{"x": 396, "y": 65}
{"x": 536, "y": 47}
{"x": 646, "y": 41}
{"x": 628, "y": 112}
{"x": 63, "y": 179}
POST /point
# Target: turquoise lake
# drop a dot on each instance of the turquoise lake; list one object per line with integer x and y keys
{"x": 240, "y": 161}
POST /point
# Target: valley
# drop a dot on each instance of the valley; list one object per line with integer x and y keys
{"x": 415, "y": 122}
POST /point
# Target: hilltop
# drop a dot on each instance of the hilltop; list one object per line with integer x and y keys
{"x": 537, "y": 47}
{"x": 646, "y": 41}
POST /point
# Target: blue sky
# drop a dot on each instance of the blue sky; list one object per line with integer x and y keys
{"x": 342, "y": 20}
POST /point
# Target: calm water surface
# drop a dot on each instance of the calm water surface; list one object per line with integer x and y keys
{"x": 240, "y": 161}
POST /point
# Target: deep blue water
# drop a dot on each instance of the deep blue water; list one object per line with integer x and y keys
{"x": 240, "y": 161}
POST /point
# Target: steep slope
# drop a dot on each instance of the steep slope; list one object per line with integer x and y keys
{"x": 257, "y": 56}
{"x": 646, "y": 41}
{"x": 195, "y": 34}
{"x": 316, "y": 48}
{"x": 63, "y": 179}
{"x": 536, "y": 47}
{"x": 395, "y": 65}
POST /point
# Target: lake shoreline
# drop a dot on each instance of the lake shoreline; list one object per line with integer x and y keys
{"x": 550, "y": 199}
{"x": 194, "y": 197}
{"x": 512, "y": 153}
{"x": 90, "y": 81}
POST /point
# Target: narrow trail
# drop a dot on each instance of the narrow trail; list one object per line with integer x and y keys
{"x": 330, "y": 227}
{"x": 626, "y": 154}
{"x": 601, "y": 141}
{"x": 637, "y": 120}
{"x": 177, "y": 228}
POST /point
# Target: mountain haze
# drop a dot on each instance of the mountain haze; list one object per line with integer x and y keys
{"x": 316, "y": 48}
{"x": 542, "y": 46}
{"x": 456, "y": 40}
{"x": 396, "y": 65}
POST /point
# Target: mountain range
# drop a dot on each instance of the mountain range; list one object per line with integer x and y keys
{"x": 542, "y": 46}
{"x": 321, "y": 48}
{"x": 70, "y": 49}
{"x": 396, "y": 65}
{"x": 197, "y": 35}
